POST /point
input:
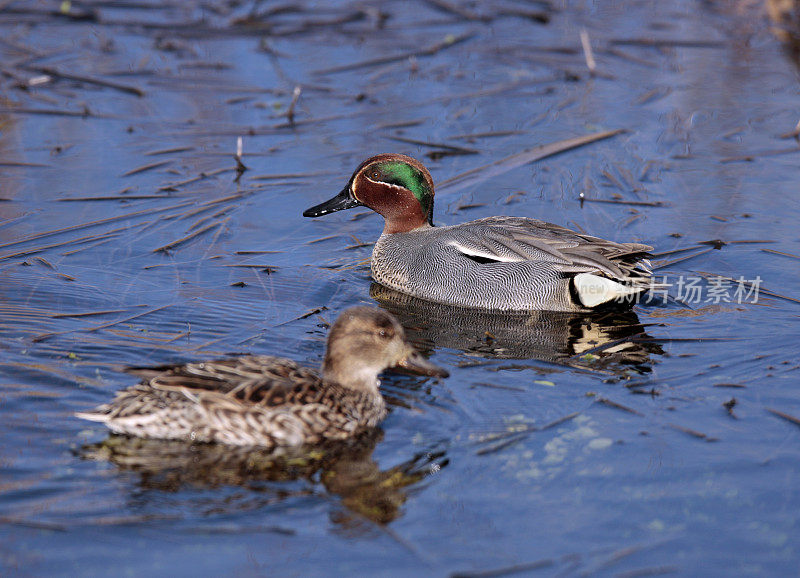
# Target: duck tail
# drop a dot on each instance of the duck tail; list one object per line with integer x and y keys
{"x": 594, "y": 290}
{"x": 597, "y": 288}
{"x": 99, "y": 414}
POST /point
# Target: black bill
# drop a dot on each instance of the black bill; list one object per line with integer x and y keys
{"x": 343, "y": 200}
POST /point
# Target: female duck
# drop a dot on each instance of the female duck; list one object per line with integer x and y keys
{"x": 271, "y": 401}
{"x": 499, "y": 263}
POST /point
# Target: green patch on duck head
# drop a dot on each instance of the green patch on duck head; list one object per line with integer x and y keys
{"x": 405, "y": 175}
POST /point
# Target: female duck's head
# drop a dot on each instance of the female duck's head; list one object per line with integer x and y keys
{"x": 363, "y": 342}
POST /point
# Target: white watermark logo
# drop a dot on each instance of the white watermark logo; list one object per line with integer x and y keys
{"x": 697, "y": 290}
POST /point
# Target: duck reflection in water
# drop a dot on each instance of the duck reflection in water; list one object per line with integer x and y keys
{"x": 609, "y": 340}
{"x": 345, "y": 469}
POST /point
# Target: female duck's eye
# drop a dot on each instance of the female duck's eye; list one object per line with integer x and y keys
{"x": 383, "y": 334}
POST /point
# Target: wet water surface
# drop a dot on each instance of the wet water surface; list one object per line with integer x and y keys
{"x": 658, "y": 441}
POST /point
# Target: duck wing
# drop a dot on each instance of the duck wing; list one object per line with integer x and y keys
{"x": 255, "y": 379}
{"x": 518, "y": 239}
{"x": 254, "y": 400}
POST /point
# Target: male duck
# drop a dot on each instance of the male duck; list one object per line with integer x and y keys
{"x": 498, "y": 263}
{"x": 271, "y": 401}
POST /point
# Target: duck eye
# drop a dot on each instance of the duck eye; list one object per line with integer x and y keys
{"x": 375, "y": 175}
{"x": 383, "y": 334}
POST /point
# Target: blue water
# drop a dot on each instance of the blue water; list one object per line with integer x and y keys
{"x": 641, "y": 471}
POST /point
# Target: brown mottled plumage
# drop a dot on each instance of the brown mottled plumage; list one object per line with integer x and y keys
{"x": 270, "y": 401}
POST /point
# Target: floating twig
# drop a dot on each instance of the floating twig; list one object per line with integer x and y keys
{"x": 661, "y": 265}
{"x": 487, "y": 134}
{"x": 11, "y": 164}
{"x": 460, "y": 11}
{"x": 515, "y": 438}
{"x": 607, "y": 402}
{"x": 169, "y": 151}
{"x": 693, "y": 433}
{"x": 675, "y": 251}
{"x": 535, "y": 15}
{"x": 653, "y": 95}
{"x": 786, "y": 416}
{"x": 502, "y": 571}
{"x": 295, "y": 97}
{"x": 85, "y": 113}
{"x": 315, "y": 311}
{"x": 400, "y": 124}
{"x": 742, "y": 242}
{"x": 201, "y": 221}
{"x": 667, "y": 43}
{"x": 33, "y": 524}
{"x": 111, "y": 198}
{"x": 93, "y": 224}
{"x": 519, "y": 433}
{"x": 479, "y": 174}
{"x": 33, "y": 251}
{"x": 200, "y": 177}
{"x": 630, "y": 203}
{"x": 794, "y": 133}
{"x": 648, "y": 571}
{"x": 89, "y": 313}
{"x": 190, "y": 236}
{"x": 792, "y": 255}
{"x": 44, "y": 336}
{"x": 268, "y": 269}
{"x": 613, "y": 180}
{"x": 767, "y": 153}
{"x": 560, "y": 420}
{"x": 50, "y": 71}
{"x": 428, "y": 51}
{"x": 454, "y": 148}
{"x": 144, "y": 168}
{"x": 279, "y": 176}
{"x": 498, "y": 386}
{"x": 587, "y": 51}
